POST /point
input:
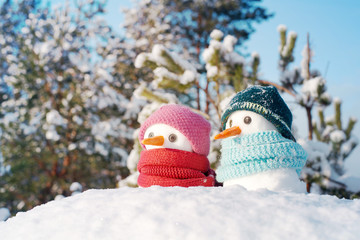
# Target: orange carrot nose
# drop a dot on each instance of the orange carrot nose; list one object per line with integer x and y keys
{"x": 233, "y": 131}
{"x": 155, "y": 141}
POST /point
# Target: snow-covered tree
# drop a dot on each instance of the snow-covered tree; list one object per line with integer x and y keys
{"x": 68, "y": 117}
{"x": 189, "y": 23}
{"x": 334, "y": 142}
{"x": 185, "y": 26}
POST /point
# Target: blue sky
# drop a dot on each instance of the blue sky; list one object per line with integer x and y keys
{"x": 334, "y": 37}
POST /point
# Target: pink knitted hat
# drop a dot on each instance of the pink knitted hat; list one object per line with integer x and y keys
{"x": 194, "y": 127}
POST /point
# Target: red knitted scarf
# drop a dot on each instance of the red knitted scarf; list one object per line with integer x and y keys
{"x": 171, "y": 167}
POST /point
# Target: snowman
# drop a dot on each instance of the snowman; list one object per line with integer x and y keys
{"x": 258, "y": 149}
{"x": 176, "y": 143}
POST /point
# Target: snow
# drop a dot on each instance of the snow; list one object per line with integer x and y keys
{"x": 3, "y": 167}
{"x": 229, "y": 42}
{"x": 292, "y": 34}
{"x": 347, "y": 146}
{"x": 354, "y": 119}
{"x": 225, "y": 102}
{"x": 54, "y": 117}
{"x": 188, "y": 213}
{"x": 9, "y": 117}
{"x": 140, "y": 59}
{"x": 211, "y": 71}
{"x": 281, "y": 28}
{"x": 157, "y": 55}
{"x": 311, "y": 86}
{"x": 78, "y": 120}
{"x": 52, "y": 134}
{"x": 187, "y": 77}
{"x": 147, "y": 111}
{"x": 207, "y": 54}
{"x": 216, "y": 34}
{"x": 75, "y": 187}
{"x": 337, "y": 136}
{"x": 162, "y": 72}
{"x": 255, "y": 55}
{"x": 100, "y": 148}
{"x": 337, "y": 100}
{"x": 131, "y": 180}
{"x": 142, "y": 42}
{"x": 316, "y": 151}
{"x": 225, "y": 48}
{"x": 328, "y": 129}
{"x": 215, "y": 44}
{"x": 213, "y": 156}
{"x": 58, "y": 197}
{"x": 139, "y": 90}
{"x": 234, "y": 59}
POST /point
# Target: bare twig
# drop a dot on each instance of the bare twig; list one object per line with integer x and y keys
{"x": 309, "y": 117}
{"x": 334, "y": 181}
{"x": 281, "y": 88}
{"x": 208, "y": 97}
{"x": 207, "y": 101}
{"x": 309, "y": 53}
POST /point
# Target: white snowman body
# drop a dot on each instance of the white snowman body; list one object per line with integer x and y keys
{"x": 164, "y": 136}
{"x": 284, "y": 179}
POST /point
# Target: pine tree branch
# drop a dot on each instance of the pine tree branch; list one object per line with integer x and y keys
{"x": 334, "y": 181}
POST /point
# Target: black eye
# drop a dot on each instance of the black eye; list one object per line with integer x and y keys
{"x": 230, "y": 123}
{"x": 172, "y": 137}
{"x": 151, "y": 135}
{"x": 247, "y": 120}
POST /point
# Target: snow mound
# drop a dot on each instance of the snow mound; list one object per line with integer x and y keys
{"x": 188, "y": 213}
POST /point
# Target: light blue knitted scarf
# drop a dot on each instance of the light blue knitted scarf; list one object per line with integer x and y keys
{"x": 258, "y": 152}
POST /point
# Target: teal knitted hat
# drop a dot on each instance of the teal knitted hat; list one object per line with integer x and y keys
{"x": 265, "y": 101}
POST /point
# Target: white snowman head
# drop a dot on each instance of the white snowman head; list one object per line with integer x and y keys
{"x": 165, "y": 136}
{"x": 266, "y": 102}
{"x": 245, "y": 122}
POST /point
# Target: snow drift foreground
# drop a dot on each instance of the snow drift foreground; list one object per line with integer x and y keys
{"x": 188, "y": 213}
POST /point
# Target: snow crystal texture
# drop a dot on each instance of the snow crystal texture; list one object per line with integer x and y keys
{"x": 188, "y": 213}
